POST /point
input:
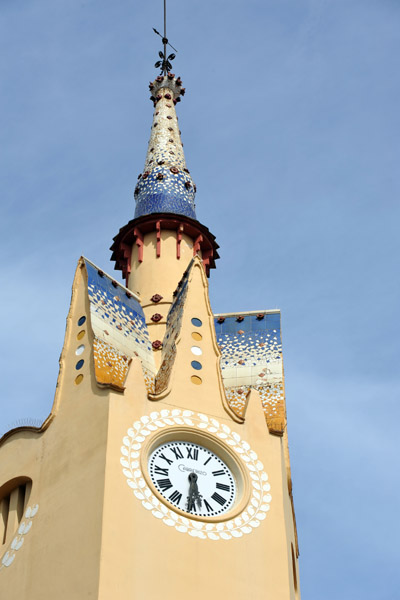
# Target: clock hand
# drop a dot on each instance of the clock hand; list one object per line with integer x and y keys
{"x": 193, "y": 492}
{"x": 192, "y": 482}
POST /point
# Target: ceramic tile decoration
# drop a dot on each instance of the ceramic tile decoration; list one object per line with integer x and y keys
{"x": 165, "y": 184}
{"x": 174, "y": 322}
{"x": 120, "y": 330}
{"x": 250, "y": 345}
{"x": 111, "y": 367}
{"x": 251, "y": 349}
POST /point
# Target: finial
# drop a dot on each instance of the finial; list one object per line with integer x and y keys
{"x": 165, "y": 62}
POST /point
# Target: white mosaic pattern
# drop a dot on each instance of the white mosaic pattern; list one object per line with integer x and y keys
{"x": 24, "y": 528}
{"x": 118, "y": 320}
{"x": 123, "y": 330}
{"x": 245, "y": 523}
{"x": 251, "y": 358}
{"x": 166, "y": 129}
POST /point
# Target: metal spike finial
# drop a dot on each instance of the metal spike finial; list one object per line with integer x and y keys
{"x": 164, "y": 63}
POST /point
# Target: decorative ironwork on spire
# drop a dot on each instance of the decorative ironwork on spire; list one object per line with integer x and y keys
{"x": 164, "y": 63}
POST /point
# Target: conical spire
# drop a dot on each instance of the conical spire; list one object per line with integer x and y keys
{"x": 165, "y": 186}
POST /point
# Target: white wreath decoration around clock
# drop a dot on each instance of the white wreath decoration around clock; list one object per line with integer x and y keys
{"x": 242, "y": 519}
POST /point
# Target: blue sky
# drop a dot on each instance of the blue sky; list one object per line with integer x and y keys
{"x": 291, "y": 130}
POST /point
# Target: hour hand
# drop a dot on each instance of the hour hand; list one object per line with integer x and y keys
{"x": 193, "y": 493}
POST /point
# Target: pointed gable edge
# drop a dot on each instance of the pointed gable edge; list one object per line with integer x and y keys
{"x": 251, "y": 348}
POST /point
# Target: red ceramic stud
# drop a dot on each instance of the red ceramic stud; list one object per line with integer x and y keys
{"x": 156, "y": 317}
{"x": 156, "y": 298}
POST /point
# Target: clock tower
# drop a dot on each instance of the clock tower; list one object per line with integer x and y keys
{"x": 163, "y": 469}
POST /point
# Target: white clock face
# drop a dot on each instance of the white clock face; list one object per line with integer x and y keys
{"x": 192, "y": 478}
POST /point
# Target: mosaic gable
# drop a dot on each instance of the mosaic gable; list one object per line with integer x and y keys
{"x": 120, "y": 330}
{"x": 251, "y": 350}
{"x": 165, "y": 186}
{"x": 174, "y": 323}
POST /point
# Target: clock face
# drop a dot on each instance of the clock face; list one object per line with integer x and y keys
{"x": 192, "y": 478}
{"x": 209, "y": 495}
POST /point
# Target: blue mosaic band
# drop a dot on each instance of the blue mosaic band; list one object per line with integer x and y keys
{"x": 167, "y": 195}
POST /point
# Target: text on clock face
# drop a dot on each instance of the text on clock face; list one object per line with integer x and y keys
{"x": 185, "y": 468}
{"x": 192, "y": 478}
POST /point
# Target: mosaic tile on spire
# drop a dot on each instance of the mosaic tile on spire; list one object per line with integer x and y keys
{"x": 165, "y": 186}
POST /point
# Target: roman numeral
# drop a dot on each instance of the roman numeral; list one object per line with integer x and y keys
{"x": 208, "y": 507}
{"x": 222, "y": 486}
{"x": 165, "y": 458}
{"x": 164, "y": 484}
{"x": 218, "y": 498}
{"x": 192, "y": 453}
{"x": 175, "y": 497}
{"x": 208, "y": 460}
{"x": 218, "y": 473}
{"x": 159, "y": 471}
{"x": 177, "y": 452}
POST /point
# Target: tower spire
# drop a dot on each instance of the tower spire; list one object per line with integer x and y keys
{"x": 165, "y": 185}
{"x": 165, "y": 217}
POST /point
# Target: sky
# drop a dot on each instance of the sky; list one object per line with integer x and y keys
{"x": 291, "y": 129}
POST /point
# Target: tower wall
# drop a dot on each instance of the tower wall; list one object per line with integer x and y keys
{"x": 157, "y": 269}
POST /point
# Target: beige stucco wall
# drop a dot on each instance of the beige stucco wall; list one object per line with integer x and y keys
{"x": 159, "y": 274}
{"x": 66, "y": 462}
